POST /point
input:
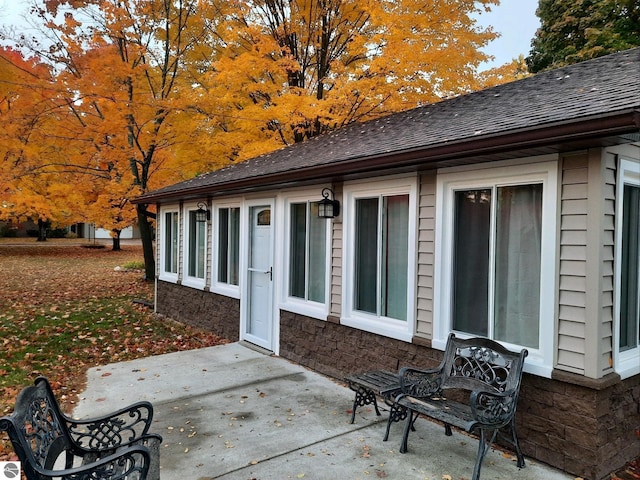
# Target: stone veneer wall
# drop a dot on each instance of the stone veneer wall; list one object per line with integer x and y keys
{"x": 588, "y": 431}
{"x": 217, "y": 313}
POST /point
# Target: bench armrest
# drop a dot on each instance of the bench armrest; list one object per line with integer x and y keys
{"x": 420, "y": 383}
{"x": 494, "y": 409}
{"x": 116, "y": 429}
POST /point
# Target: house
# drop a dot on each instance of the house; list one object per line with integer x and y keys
{"x": 512, "y": 213}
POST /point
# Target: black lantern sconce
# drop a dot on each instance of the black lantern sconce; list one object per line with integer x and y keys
{"x": 328, "y": 208}
{"x": 203, "y": 214}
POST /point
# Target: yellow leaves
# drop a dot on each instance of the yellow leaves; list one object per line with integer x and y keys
{"x": 149, "y": 97}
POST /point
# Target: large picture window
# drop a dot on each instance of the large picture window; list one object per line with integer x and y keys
{"x": 496, "y": 263}
{"x": 380, "y": 256}
{"x": 307, "y": 252}
{"x": 197, "y": 240}
{"x": 628, "y": 268}
{"x": 495, "y": 274}
{"x": 381, "y": 249}
{"x": 169, "y": 243}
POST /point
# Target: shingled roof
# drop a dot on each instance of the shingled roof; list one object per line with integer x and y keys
{"x": 593, "y": 99}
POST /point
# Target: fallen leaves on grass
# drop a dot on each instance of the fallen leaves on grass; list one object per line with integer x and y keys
{"x": 64, "y": 309}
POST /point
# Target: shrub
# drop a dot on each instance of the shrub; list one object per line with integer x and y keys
{"x": 134, "y": 265}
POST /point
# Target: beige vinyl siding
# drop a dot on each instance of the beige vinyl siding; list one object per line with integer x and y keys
{"x": 208, "y": 250}
{"x": 335, "y": 300}
{"x": 608, "y": 260}
{"x": 181, "y": 246}
{"x": 159, "y": 239}
{"x": 585, "y": 310}
{"x": 426, "y": 249}
{"x": 573, "y": 267}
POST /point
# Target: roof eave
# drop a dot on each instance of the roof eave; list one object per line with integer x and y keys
{"x": 556, "y": 134}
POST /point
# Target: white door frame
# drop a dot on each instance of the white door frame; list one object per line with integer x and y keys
{"x": 268, "y": 340}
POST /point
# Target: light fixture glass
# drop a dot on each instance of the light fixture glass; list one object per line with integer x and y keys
{"x": 328, "y": 207}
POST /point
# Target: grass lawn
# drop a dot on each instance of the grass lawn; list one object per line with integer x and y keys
{"x": 65, "y": 308}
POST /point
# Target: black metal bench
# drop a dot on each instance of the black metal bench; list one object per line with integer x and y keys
{"x": 378, "y": 383}
{"x": 51, "y": 445}
{"x": 478, "y": 367}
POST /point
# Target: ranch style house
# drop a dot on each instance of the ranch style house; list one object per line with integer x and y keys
{"x": 511, "y": 213}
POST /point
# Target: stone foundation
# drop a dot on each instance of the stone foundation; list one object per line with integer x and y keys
{"x": 217, "y": 313}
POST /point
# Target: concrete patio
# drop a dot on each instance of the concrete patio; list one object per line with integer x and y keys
{"x": 233, "y": 413}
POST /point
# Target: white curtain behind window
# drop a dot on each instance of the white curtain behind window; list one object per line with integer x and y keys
{"x": 395, "y": 256}
{"x": 517, "y": 265}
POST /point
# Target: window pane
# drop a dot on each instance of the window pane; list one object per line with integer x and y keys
{"x": 471, "y": 235}
{"x": 196, "y": 246}
{"x": 192, "y": 244}
{"x": 297, "y": 250}
{"x": 517, "y": 270}
{"x": 366, "y": 255}
{"x": 223, "y": 245}
{"x": 228, "y": 245}
{"x": 317, "y": 255}
{"x": 630, "y": 264}
{"x": 395, "y": 253}
{"x": 201, "y": 248}
{"x": 171, "y": 242}
{"x": 234, "y": 245}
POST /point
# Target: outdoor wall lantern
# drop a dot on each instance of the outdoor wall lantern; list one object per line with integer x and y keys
{"x": 203, "y": 214}
{"x": 328, "y": 208}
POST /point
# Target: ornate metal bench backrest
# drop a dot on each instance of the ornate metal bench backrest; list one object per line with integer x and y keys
{"x": 480, "y": 363}
{"x": 36, "y": 427}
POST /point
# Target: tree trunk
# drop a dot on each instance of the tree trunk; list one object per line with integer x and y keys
{"x": 115, "y": 245}
{"x": 42, "y": 230}
{"x": 146, "y": 235}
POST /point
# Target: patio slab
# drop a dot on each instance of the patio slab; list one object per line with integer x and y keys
{"x": 233, "y": 413}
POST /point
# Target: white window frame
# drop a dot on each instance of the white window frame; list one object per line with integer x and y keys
{"x": 388, "y": 327}
{"x": 626, "y": 363}
{"x": 163, "y": 274}
{"x": 225, "y": 288}
{"x": 297, "y": 305}
{"x": 540, "y": 360}
{"x": 188, "y": 280}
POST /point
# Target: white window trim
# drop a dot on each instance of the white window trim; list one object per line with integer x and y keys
{"x": 626, "y": 364}
{"x": 223, "y": 288}
{"x": 539, "y": 361}
{"x": 388, "y": 327}
{"x": 162, "y": 274}
{"x": 301, "y": 306}
{"x": 188, "y": 280}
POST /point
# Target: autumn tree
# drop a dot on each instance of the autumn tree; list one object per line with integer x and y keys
{"x": 291, "y": 70}
{"x": 26, "y": 152}
{"x": 151, "y": 92}
{"x": 122, "y": 79}
{"x": 573, "y": 31}
{"x": 515, "y": 70}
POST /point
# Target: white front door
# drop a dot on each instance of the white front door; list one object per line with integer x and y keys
{"x": 259, "y": 298}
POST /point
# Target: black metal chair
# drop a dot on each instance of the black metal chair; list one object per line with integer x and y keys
{"x": 51, "y": 445}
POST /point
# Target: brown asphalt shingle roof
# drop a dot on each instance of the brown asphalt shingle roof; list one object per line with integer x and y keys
{"x": 599, "y": 87}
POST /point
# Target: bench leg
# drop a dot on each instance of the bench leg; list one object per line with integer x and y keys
{"x": 364, "y": 396}
{"x": 408, "y": 426}
{"x": 396, "y": 414}
{"x": 484, "y": 445}
{"x": 447, "y": 430}
{"x": 516, "y": 444}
